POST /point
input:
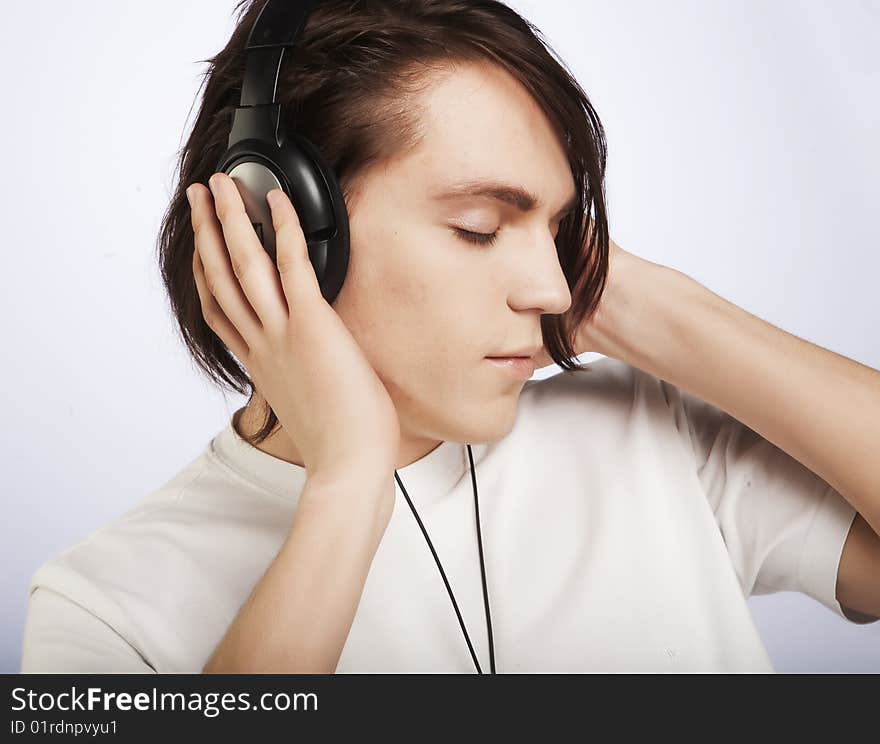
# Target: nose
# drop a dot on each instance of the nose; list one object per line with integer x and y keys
{"x": 540, "y": 282}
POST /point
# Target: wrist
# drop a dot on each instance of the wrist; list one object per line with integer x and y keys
{"x": 628, "y": 325}
{"x": 367, "y": 491}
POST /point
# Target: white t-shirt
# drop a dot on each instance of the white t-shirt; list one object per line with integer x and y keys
{"x": 624, "y": 524}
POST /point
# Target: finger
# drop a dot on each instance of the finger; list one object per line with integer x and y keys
{"x": 298, "y": 278}
{"x": 251, "y": 265}
{"x": 214, "y": 315}
{"x": 220, "y": 279}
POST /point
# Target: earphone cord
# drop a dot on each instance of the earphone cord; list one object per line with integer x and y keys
{"x": 443, "y": 574}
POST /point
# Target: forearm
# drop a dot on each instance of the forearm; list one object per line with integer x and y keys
{"x": 821, "y": 408}
{"x": 298, "y": 616}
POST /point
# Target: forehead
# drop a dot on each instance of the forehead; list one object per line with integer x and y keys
{"x": 478, "y": 121}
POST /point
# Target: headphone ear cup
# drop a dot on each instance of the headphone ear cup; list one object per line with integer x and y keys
{"x": 297, "y": 168}
{"x": 317, "y": 197}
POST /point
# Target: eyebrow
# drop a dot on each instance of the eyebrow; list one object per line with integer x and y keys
{"x": 509, "y": 193}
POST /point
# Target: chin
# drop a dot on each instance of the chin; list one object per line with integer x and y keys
{"x": 496, "y": 425}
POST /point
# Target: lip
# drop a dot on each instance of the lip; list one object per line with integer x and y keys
{"x": 520, "y": 367}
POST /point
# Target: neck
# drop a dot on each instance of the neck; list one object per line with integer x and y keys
{"x": 247, "y": 421}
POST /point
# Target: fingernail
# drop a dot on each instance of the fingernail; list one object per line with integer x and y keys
{"x": 189, "y": 195}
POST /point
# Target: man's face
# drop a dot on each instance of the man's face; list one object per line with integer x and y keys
{"x": 426, "y": 305}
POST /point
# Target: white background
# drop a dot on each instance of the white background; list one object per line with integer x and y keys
{"x": 743, "y": 151}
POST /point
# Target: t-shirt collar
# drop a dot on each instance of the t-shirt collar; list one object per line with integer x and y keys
{"x": 426, "y": 479}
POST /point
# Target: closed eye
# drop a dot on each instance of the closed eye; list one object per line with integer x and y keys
{"x": 476, "y": 237}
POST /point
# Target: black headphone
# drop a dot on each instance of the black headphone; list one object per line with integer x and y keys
{"x": 259, "y": 157}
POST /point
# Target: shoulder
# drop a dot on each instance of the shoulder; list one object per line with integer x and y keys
{"x": 121, "y": 541}
{"x": 605, "y": 382}
{"x": 167, "y": 575}
{"x": 171, "y": 537}
{"x": 608, "y": 403}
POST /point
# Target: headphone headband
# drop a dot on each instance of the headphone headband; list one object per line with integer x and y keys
{"x": 278, "y": 26}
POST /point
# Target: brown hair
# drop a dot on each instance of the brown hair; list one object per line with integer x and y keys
{"x": 346, "y": 87}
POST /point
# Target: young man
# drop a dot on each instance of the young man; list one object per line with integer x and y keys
{"x": 624, "y": 521}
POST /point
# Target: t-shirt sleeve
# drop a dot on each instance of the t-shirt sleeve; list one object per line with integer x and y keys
{"x": 62, "y": 637}
{"x": 783, "y": 525}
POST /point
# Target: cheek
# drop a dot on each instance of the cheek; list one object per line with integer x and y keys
{"x": 386, "y": 276}
{"x": 389, "y": 316}
{"x": 399, "y": 288}
{"x": 404, "y": 315}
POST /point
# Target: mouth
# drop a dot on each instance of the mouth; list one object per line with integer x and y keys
{"x": 521, "y": 367}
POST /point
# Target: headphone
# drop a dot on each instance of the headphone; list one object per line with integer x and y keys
{"x": 260, "y": 157}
